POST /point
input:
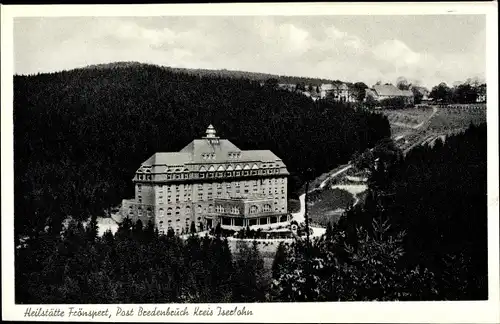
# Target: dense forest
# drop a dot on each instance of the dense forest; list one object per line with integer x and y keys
{"x": 80, "y": 135}
{"x": 421, "y": 235}
{"x": 136, "y": 265}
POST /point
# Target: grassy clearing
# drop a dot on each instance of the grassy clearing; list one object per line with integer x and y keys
{"x": 410, "y": 116}
{"x": 454, "y": 119}
{"x": 326, "y": 205}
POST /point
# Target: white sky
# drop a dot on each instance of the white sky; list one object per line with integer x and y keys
{"x": 427, "y": 49}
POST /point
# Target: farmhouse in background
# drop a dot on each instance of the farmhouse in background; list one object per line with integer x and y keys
{"x": 209, "y": 181}
{"x": 388, "y": 91}
{"x": 337, "y": 91}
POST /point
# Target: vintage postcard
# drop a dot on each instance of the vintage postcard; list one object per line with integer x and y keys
{"x": 250, "y": 163}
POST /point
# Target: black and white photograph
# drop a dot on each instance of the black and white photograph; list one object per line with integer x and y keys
{"x": 224, "y": 161}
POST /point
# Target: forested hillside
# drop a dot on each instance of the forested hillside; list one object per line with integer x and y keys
{"x": 80, "y": 135}
{"x": 421, "y": 235}
{"x": 253, "y": 76}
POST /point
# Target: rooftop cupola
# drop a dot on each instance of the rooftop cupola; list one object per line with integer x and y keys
{"x": 210, "y": 131}
{"x": 211, "y": 135}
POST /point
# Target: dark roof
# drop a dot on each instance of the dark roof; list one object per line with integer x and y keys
{"x": 210, "y": 150}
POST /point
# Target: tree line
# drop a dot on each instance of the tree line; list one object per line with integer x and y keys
{"x": 467, "y": 92}
{"x": 80, "y": 135}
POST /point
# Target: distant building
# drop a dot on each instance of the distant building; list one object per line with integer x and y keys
{"x": 209, "y": 181}
{"x": 388, "y": 91}
{"x": 324, "y": 89}
{"x": 287, "y": 86}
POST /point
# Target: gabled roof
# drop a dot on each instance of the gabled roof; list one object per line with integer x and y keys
{"x": 391, "y": 91}
{"x": 209, "y": 150}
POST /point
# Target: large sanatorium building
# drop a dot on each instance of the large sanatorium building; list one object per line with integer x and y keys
{"x": 209, "y": 181}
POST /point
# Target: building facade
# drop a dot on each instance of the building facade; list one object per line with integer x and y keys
{"x": 338, "y": 92}
{"x": 209, "y": 181}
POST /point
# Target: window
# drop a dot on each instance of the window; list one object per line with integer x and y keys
{"x": 220, "y": 174}
{"x": 228, "y": 174}
{"x": 139, "y": 188}
{"x": 162, "y": 213}
{"x": 169, "y": 212}
{"x": 253, "y": 209}
{"x": 210, "y": 208}
{"x": 237, "y": 173}
{"x": 177, "y": 211}
{"x": 149, "y": 212}
{"x": 199, "y": 209}
{"x": 169, "y": 176}
{"x": 139, "y": 212}
{"x": 246, "y": 173}
{"x": 201, "y": 175}
{"x": 267, "y": 208}
{"x": 210, "y": 174}
{"x": 254, "y": 172}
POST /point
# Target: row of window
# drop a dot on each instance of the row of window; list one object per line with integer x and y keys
{"x": 187, "y": 210}
{"x": 210, "y": 174}
{"x": 210, "y": 196}
{"x": 234, "y": 155}
{"x": 208, "y": 156}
